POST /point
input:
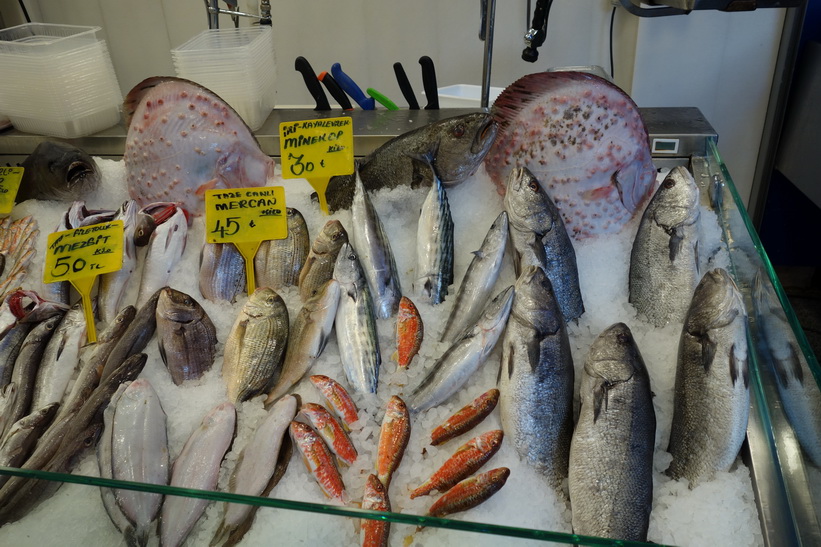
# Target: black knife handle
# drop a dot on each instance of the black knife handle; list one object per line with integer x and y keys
{"x": 304, "y": 67}
{"x": 405, "y": 86}
{"x": 429, "y": 81}
{"x": 336, "y": 92}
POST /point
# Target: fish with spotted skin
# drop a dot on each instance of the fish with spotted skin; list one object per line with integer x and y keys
{"x": 583, "y": 139}
{"x": 182, "y": 140}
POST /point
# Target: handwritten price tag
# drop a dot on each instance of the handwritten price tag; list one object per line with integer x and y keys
{"x": 10, "y": 178}
{"x": 317, "y": 150}
{"x": 246, "y": 217}
{"x": 80, "y": 255}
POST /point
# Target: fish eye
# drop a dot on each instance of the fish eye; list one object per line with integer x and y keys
{"x": 533, "y": 185}
{"x": 459, "y": 130}
{"x": 669, "y": 183}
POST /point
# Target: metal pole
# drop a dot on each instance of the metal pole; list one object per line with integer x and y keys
{"x": 490, "y": 17}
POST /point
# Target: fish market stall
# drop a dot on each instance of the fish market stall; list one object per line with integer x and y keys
{"x": 766, "y": 496}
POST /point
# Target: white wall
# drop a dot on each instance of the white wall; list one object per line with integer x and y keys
{"x": 721, "y": 63}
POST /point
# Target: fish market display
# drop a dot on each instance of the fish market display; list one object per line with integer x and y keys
{"x": 409, "y": 331}
{"x": 470, "y": 492}
{"x": 467, "y": 418}
{"x": 222, "y": 272}
{"x": 331, "y": 432}
{"x": 371, "y": 243}
{"x": 375, "y": 533}
{"x": 460, "y": 144}
{"x": 611, "y": 454}
{"x": 57, "y": 170}
{"x": 278, "y": 262}
{"x": 536, "y": 378}
{"x": 664, "y": 260}
{"x": 393, "y": 439}
{"x": 165, "y": 248}
{"x": 583, "y": 139}
{"x": 113, "y": 285}
{"x": 477, "y": 285}
{"x": 135, "y": 337}
{"x": 539, "y": 237}
{"x": 307, "y": 338}
{"x": 60, "y": 359}
{"x": 254, "y": 349}
{"x": 23, "y": 434}
{"x": 355, "y": 324}
{"x": 186, "y": 336}
{"x": 434, "y": 246}
{"x": 319, "y": 266}
{"x": 183, "y": 140}
{"x": 466, "y": 354}
{"x": 337, "y": 398}
{"x": 197, "y": 466}
{"x": 319, "y": 461}
{"x": 712, "y": 400}
{"x": 17, "y": 240}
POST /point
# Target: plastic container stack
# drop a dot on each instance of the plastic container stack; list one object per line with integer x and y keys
{"x": 58, "y": 80}
{"x": 236, "y": 64}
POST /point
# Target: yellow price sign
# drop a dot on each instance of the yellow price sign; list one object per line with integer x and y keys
{"x": 246, "y": 217}
{"x": 10, "y": 178}
{"x": 80, "y": 255}
{"x": 316, "y": 150}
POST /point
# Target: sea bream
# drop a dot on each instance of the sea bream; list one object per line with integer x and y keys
{"x": 278, "y": 262}
{"x": 185, "y": 335}
{"x": 583, "y": 139}
{"x": 319, "y": 266}
{"x": 183, "y": 140}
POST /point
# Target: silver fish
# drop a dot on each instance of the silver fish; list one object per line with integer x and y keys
{"x": 712, "y": 397}
{"x": 434, "y": 245}
{"x": 611, "y": 454}
{"x": 10, "y": 346}
{"x": 278, "y": 262}
{"x": 319, "y": 266}
{"x": 536, "y": 378}
{"x": 664, "y": 259}
{"x": 185, "y": 334}
{"x": 113, "y": 285}
{"x": 309, "y": 334}
{"x": 256, "y": 463}
{"x": 355, "y": 324}
{"x": 60, "y": 358}
{"x": 800, "y": 396}
{"x": 135, "y": 337}
{"x": 165, "y": 249}
{"x": 375, "y": 255}
{"x": 254, "y": 349}
{"x": 197, "y": 467}
{"x": 104, "y": 458}
{"x": 464, "y": 356}
{"x": 22, "y": 435}
{"x": 480, "y": 278}
{"x": 222, "y": 272}
{"x": 539, "y": 237}
{"x": 8, "y": 395}
{"x": 139, "y": 453}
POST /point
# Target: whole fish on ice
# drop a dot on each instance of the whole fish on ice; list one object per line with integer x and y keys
{"x": 319, "y": 266}
{"x": 165, "y": 249}
{"x": 278, "y": 262}
{"x": 58, "y": 171}
{"x": 434, "y": 244}
{"x": 185, "y": 334}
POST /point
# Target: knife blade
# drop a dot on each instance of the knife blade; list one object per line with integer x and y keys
{"x": 350, "y": 87}
{"x": 335, "y": 91}
{"x": 302, "y": 65}
{"x": 405, "y": 86}
{"x": 429, "y": 83}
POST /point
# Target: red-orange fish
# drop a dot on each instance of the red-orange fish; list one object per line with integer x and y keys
{"x": 331, "y": 432}
{"x": 337, "y": 398}
{"x": 375, "y": 532}
{"x": 393, "y": 439}
{"x": 319, "y": 461}
{"x": 467, "y": 418}
{"x": 466, "y": 460}
{"x": 470, "y": 492}
{"x": 409, "y": 332}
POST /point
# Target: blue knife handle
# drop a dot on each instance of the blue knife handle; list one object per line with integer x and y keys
{"x": 350, "y": 87}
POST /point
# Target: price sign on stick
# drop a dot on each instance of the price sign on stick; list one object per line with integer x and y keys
{"x": 10, "y": 178}
{"x": 79, "y": 256}
{"x": 317, "y": 150}
{"x": 246, "y": 217}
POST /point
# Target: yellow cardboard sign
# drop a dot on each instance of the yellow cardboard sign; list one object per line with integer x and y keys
{"x": 317, "y": 150}
{"x": 10, "y": 178}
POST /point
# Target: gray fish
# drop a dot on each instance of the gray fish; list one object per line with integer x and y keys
{"x": 712, "y": 395}
{"x": 58, "y": 171}
{"x": 10, "y": 346}
{"x": 319, "y": 266}
{"x": 370, "y": 241}
{"x": 536, "y": 378}
{"x": 222, "y": 272}
{"x": 434, "y": 245}
{"x": 800, "y": 396}
{"x": 480, "y": 278}
{"x": 197, "y": 467}
{"x": 309, "y": 334}
{"x": 103, "y": 451}
{"x": 22, "y": 435}
{"x": 355, "y": 324}
{"x": 113, "y": 285}
{"x": 539, "y": 237}
{"x": 186, "y": 336}
{"x": 664, "y": 259}
{"x": 278, "y": 262}
{"x": 461, "y": 144}
{"x": 611, "y": 454}
{"x": 165, "y": 250}
{"x": 8, "y": 395}
{"x": 255, "y": 347}
{"x": 464, "y": 356}
{"x": 135, "y": 337}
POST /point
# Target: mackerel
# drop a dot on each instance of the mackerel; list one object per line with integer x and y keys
{"x": 113, "y": 285}
{"x": 60, "y": 358}
{"x": 278, "y": 262}
{"x": 222, "y": 272}
{"x": 355, "y": 324}
{"x": 434, "y": 245}
{"x": 165, "y": 250}
{"x": 319, "y": 266}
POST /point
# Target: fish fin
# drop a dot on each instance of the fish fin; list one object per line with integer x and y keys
{"x": 479, "y": 254}
{"x": 708, "y": 352}
{"x": 202, "y": 188}
{"x": 599, "y": 399}
{"x": 614, "y": 179}
{"x": 676, "y": 239}
{"x": 697, "y": 259}
{"x": 739, "y": 368}
{"x": 161, "y": 347}
{"x": 798, "y": 372}
{"x": 533, "y": 353}
{"x": 511, "y": 359}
